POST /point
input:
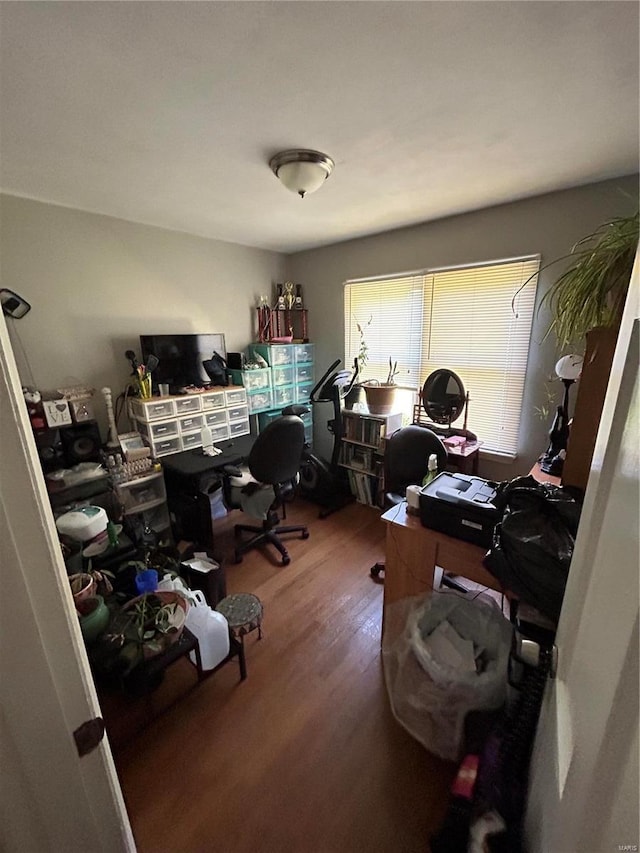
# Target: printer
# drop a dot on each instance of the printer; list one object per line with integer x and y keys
{"x": 460, "y": 505}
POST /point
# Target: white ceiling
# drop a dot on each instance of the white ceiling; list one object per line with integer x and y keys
{"x": 167, "y": 113}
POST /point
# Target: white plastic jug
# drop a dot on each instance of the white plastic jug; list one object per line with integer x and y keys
{"x": 211, "y": 630}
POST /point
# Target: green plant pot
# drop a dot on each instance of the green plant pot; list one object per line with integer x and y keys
{"x": 94, "y": 618}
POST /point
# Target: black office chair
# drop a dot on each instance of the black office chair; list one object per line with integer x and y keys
{"x": 273, "y": 465}
{"x": 406, "y": 457}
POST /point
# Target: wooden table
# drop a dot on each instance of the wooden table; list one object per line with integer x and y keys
{"x": 413, "y": 552}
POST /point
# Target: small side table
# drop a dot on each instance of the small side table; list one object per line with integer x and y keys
{"x": 243, "y": 611}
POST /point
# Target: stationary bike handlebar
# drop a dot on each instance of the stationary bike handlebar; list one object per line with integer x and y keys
{"x": 344, "y": 388}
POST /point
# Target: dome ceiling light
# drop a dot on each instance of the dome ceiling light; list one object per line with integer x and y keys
{"x": 301, "y": 170}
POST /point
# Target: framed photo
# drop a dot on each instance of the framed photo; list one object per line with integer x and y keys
{"x": 56, "y": 413}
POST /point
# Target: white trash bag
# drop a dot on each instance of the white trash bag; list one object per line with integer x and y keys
{"x": 449, "y": 658}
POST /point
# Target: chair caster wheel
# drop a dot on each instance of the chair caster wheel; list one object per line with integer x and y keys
{"x": 305, "y": 534}
{"x": 286, "y": 561}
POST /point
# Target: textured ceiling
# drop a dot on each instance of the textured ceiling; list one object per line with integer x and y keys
{"x": 167, "y": 113}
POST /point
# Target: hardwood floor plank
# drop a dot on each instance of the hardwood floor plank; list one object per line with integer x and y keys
{"x": 304, "y": 756}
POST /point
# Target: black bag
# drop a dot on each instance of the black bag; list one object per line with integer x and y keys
{"x": 216, "y": 368}
{"x": 533, "y": 543}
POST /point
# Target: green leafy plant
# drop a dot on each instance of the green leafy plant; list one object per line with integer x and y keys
{"x": 592, "y": 291}
{"x": 363, "y": 350}
{"x": 393, "y": 372}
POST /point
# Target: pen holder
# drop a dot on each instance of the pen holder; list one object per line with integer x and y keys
{"x": 144, "y": 387}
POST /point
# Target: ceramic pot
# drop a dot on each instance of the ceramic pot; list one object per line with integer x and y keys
{"x": 84, "y": 586}
{"x": 380, "y": 398}
{"x": 94, "y": 617}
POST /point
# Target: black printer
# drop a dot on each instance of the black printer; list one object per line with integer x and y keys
{"x": 461, "y": 506}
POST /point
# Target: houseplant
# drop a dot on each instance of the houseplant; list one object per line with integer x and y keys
{"x": 591, "y": 292}
{"x": 381, "y": 395}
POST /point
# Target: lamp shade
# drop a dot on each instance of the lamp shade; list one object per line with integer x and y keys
{"x": 569, "y": 367}
{"x": 302, "y": 170}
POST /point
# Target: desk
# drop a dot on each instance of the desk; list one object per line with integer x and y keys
{"x": 190, "y": 477}
{"x": 413, "y": 551}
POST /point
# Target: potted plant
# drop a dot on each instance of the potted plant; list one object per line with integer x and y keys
{"x": 90, "y": 583}
{"x": 381, "y": 395}
{"x": 355, "y": 395}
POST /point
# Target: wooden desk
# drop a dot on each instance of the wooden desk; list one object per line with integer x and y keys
{"x": 413, "y": 551}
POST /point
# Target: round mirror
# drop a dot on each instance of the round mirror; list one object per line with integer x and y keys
{"x": 443, "y": 396}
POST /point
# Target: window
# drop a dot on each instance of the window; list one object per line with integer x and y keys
{"x": 462, "y": 318}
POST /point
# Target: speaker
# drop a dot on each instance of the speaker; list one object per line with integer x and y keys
{"x": 81, "y": 443}
{"x": 234, "y": 360}
{"x": 50, "y": 449}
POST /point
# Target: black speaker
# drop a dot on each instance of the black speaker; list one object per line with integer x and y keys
{"x": 50, "y": 449}
{"x": 234, "y": 360}
{"x": 81, "y": 443}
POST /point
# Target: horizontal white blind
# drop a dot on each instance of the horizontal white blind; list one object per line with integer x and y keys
{"x": 390, "y": 314}
{"x": 461, "y": 319}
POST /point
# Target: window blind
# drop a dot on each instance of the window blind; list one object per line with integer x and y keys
{"x": 459, "y": 318}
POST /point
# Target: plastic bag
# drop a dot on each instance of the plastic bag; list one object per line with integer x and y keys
{"x": 533, "y": 543}
{"x": 216, "y": 368}
{"x": 428, "y": 697}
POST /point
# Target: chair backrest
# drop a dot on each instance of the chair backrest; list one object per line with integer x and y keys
{"x": 406, "y": 457}
{"x": 277, "y": 451}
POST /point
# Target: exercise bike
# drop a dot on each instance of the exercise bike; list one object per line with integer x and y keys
{"x": 322, "y": 482}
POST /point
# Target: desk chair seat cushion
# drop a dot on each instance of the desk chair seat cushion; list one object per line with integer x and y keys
{"x": 245, "y": 493}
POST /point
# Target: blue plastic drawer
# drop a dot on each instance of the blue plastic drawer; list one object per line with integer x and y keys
{"x": 252, "y": 380}
{"x": 275, "y": 354}
{"x": 282, "y": 375}
{"x": 303, "y": 353}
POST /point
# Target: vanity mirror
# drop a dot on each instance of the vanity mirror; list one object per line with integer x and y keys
{"x": 444, "y": 400}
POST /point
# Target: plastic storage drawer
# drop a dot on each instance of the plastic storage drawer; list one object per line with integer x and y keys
{"x": 284, "y": 396}
{"x": 303, "y": 353}
{"x": 303, "y": 373}
{"x": 213, "y": 400}
{"x": 239, "y": 413}
{"x": 259, "y": 401}
{"x": 282, "y": 375}
{"x": 165, "y": 446}
{"x": 302, "y": 393}
{"x": 158, "y": 429}
{"x": 191, "y": 423}
{"x": 220, "y": 432}
{"x": 239, "y": 428}
{"x": 151, "y": 410}
{"x": 275, "y": 354}
{"x": 265, "y": 418}
{"x": 191, "y": 439}
{"x": 233, "y": 396}
{"x": 188, "y": 405}
{"x": 216, "y": 418}
{"x": 252, "y": 380}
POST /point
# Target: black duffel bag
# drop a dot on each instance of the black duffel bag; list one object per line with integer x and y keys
{"x": 533, "y": 542}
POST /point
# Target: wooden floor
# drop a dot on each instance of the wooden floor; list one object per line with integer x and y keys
{"x": 304, "y": 756}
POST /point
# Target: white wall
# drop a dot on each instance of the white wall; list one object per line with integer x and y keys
{"x": 96, "y": 283}
{"x": 548, "y": 224}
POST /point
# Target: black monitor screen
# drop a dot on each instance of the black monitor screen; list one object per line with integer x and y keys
{"x": 180, "y": 358}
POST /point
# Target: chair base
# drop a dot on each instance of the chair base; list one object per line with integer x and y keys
{"x": 267, "y": 536}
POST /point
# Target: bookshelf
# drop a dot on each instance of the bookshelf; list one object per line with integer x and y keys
{"x": 362, "y": 452}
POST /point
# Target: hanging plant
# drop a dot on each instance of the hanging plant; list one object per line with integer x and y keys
{"x": 592, "y": 291}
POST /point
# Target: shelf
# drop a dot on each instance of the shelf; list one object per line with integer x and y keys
{"x": 377, "y": 448}
{"x": 143, "y": 507}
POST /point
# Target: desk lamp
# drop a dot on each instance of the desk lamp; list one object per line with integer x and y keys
{"x": 568, "y": 369}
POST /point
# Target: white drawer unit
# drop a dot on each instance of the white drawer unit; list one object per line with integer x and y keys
{"x": 238, "y": 413}
{"x": 220, "y": 432}
{"x": 151, "y": 410}
{"x": 216, "y": 418}
{"x": 234, "y": 395}
{"x": 165, "y": 446}
{"x": 191, "y": 439}
{"x": 141, "y": 493}
{"x": 188, "y": 405}
{"x": 239, "y": 428}
{"x": 194, "y": 422}
{"x": 213, "y": 400}
{"x": 159, "y": 429}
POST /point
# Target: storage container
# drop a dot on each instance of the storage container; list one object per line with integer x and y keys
{"x": 213, "y": 400}
{"x": 303, "y": 391}
{"x": 220, "y": 432}
{"x": 239, "y": 428}
{"x": 218, "y": 417}
{"x": 240, "y": 413}
{"x": 284, "y": 396}
{"x": 303, "y": 353}
{"x": 275, "y": 354}
{"x": 165, "y": 446}
{"x": 235, "y": 395}
{"x": 252, "y": 380}
{"x": 186, "y": 405}
{"x": 190, "y": 424}
{"x": 282, "y": 375}
{"x": 158, "y": 429}
{"x": 303, "y": 373}
{"x": 150, "y": 410}
{"x": 191, "y": 440}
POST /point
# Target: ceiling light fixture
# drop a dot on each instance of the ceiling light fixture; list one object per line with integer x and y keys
{"x": 301, "y": 170}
